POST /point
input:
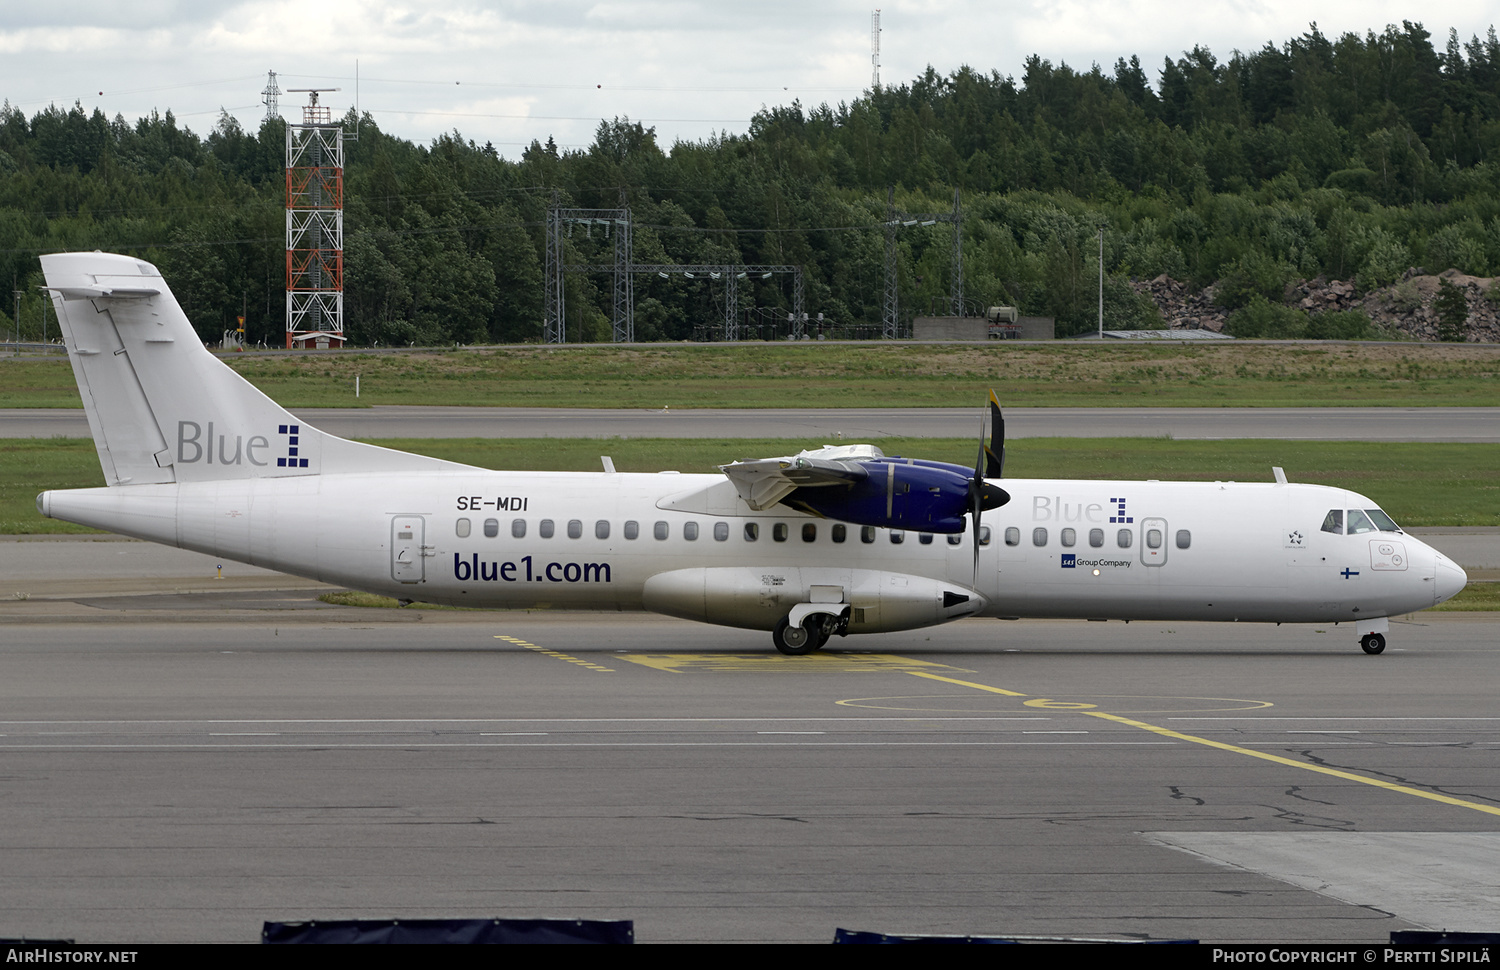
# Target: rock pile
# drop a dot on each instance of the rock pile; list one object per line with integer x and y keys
{"x": 1183, "y": 308}
{"x": 1404, "y": 310}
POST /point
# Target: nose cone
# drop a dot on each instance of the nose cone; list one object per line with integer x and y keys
{"x": 1449, "y": 579}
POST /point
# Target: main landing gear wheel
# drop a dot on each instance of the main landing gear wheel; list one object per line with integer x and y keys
{"x": 1372, "y": 643}
{"x": 794, "y": 641}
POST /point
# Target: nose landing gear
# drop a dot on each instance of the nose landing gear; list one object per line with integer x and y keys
{"x": 1371, "y": 632}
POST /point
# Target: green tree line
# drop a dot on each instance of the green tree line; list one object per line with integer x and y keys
{"x": 1355, "y": 158}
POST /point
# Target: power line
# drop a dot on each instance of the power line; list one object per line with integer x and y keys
{"x": 133, "y": 91}
{"x": 522, "y": 85}
{"x": 531, "y": 117}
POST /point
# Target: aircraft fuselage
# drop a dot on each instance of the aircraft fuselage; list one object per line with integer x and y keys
{"x": 1081, "y": 549}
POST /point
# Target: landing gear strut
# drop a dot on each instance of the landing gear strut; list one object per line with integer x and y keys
{"x": 1372, "y": 643}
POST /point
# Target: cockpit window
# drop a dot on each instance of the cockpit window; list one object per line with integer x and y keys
{"x": 1359, "y": 523}
{"x": 1382, "y": 521}
{"x": 1334, "y": 522}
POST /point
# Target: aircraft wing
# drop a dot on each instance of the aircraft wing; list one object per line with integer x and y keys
{"x": 765, "y": 482}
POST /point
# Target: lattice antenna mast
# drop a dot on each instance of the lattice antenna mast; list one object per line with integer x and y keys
{"x": 618, "y": 224}
{"x": 271, "y": 97}
{"x": 875, "y": 49}
{"x": 315, "y": 226}
{"x": 890, "y": 319}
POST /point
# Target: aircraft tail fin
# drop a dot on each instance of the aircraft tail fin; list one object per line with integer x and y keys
{"x": 162, "y": 408}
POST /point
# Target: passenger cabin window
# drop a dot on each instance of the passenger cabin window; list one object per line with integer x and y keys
{"x": 897, "y": 537}
{"x": 632, "y": 529}
{"x": 1334, "y": 522}
{"x": 517, "y": 528}
{"x": 839, "y": 532}
{"x": 1012, "y": 536}
{"x": 1069, "y": 537}
{"x": 659, "y": 530}
{"x": 1039, "y": 536}
{"x": 544, "y": 528}
{"x": 461, "y": 528}
{"x": 1184, "y": 538}
{"x": 867, "y": 533}
{"x": 925, "y": 538}
{"x": 809, "y": 532}
{"x": 752, "y": 531}
{"x": 721, "y": 531}
{"x": 491, "y": 528}
{"x": 778, "y": 532}
{"x": 956, "y": 539}
{"x": 1096, "y": 538}
{"x": 575, "y": 529}
{"x": 601, "y": 529}
{"x": 1153, "y": 538}
{"x": 1123, "y": 538}
{"x": 690, "y": 531}
{"x": 984, "y": 535}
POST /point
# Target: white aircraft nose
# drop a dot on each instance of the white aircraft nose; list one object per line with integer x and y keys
{"x": 1449, "y": 580}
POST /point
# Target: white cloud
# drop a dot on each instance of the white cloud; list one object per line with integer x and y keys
{"x": 689, "y": 67}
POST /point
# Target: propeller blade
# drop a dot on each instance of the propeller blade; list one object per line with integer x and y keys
{"x": 995, "y": 454}
{"x": 976, "y": 498}
{"x": 990, "y": 464}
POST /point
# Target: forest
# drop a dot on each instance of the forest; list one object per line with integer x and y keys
{"x": 1355, "y": 158}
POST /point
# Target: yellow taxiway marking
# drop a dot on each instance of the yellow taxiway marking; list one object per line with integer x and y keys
{"x": 1291, "y": 762}
{"x": 868, "y": 663}
{"x": 966, "y": 683}
{"x": 555, "y": 654}
{"x": 1046, "y": 703}
{"x": 945, "y": 703}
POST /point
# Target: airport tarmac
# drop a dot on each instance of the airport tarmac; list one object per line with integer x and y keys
{"x": 819, "y": 425}
{"x": 183, "y": 757}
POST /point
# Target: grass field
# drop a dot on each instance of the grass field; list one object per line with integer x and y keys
{"x": 1238, "y": 374}
{"x": 1477, "y": 597}
{"x": 1419, "y": 484}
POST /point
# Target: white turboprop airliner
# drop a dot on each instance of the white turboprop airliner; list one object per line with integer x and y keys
{"x": 830, "y": 542}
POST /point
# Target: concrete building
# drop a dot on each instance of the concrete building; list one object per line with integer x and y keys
{"x": 978, "y": 328}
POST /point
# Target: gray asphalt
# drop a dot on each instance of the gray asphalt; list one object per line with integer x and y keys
{"x": 813, "y": 425}
{"x": 183, "y": 757}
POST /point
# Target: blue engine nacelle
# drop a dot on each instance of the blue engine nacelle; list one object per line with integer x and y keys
{"x": 901, "y": 493}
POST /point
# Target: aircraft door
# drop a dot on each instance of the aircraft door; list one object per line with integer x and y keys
{"x": 408, "y": 533}
{"x": 1153, "y": 541}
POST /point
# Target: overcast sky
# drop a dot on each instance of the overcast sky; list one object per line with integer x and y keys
{"x": 510, "y": 72}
